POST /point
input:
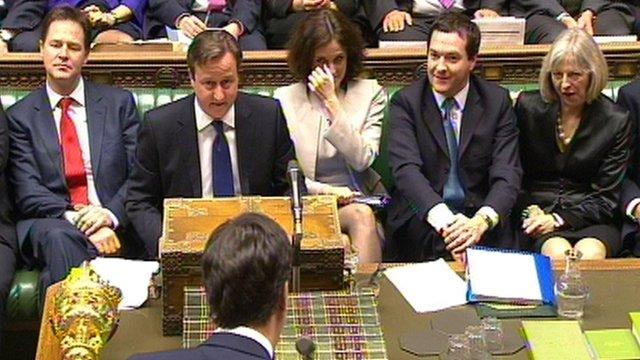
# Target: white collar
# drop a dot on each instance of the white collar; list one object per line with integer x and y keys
{"x": 203, "y": 119}
{"x": 461, "y": 97}
{"x": 251, "y": 334}
{"x": 77, "y": 94}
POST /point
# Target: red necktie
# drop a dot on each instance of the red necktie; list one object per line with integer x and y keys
{"x": 74, "y": 172}
{"x": 217, "y": 5}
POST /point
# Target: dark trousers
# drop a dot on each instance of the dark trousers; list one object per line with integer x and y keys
{"x": 543, "y": 29}
{"x": 248, "y": 41}
{"x": 7, "y": 269}
{"x": 56, "y": 246}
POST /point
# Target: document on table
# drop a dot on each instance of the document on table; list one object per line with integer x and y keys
{"x": 132, "y": 277}
{"x": 429, "y": 286}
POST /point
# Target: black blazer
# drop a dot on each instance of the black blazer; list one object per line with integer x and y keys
{"x": 629, "y": 99}
{"x": 167, "y": 164}
{"x": 7, "y": 229}
{"x": 166, "y": 12}
{"x": 218, "y": 346}
{"x": 583, "y": 184}
{"x": 24, "y": 14}
{"x": 489, "y": 163}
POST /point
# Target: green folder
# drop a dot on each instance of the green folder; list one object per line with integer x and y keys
{"x": 613, "y": 344}
{"x": 555, "y": 340}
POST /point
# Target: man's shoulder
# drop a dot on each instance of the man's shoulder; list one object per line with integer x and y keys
{"x": 23, "y": 107}
{"x": 187, "y": 354}
{"x": 170, "y": 110}
{"x": 256, "y": 100}
{"x": 106, "y": 90}
{"x": 631, "y": 89}
{"x": 488, "y": 90}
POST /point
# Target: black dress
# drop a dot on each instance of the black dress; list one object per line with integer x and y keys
{"x": 580, "y": 183}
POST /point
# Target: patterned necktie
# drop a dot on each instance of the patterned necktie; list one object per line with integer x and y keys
{"x": 447, "y": 4}
{"x": 217, "y": 5}
{"x": 453, "y": 193}
{"x": 74, "y": 172}
{"x": 222, "y": 172}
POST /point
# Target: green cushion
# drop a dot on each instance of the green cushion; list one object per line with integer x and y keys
{"x": 22, "y": 303}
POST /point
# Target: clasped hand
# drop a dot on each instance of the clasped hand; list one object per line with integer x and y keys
{"x": 97, "y": 18}
{"x": 463, "y": 233}
{"x": 322, "y": 83}
{"x": 91, "y": 218}
{"x": 536, "y": 222}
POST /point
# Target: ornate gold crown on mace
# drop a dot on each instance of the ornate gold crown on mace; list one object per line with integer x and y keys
{"x": 85, "y": 314}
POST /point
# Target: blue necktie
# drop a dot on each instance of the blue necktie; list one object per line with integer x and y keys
{"x": 222, "y": 172}
{"x": 453, "y": 194}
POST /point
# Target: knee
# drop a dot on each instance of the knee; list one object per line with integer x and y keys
{"x": 113, "y": 36}
{"x": 555, "y": 247}
{"x": 591, "y": 248}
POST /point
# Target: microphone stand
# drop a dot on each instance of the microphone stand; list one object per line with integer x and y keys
{"x": 296, "y": 243}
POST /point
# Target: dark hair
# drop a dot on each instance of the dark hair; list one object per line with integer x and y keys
{"x": 210, "y": 45}
{"x": 318, "y": 29}
{"x": 67, "y": 13}
{"x": 457, "y": 22}
{"x": 245, "y": 270}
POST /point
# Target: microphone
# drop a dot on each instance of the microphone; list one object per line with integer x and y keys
{"x": 305, "y": 347}
{"x": 293, "y": 173}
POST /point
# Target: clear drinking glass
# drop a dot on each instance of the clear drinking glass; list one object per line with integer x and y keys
{"x": 477, "y": 343}
{"x": 458, "y": 348}
{"x": 571, "y": 289}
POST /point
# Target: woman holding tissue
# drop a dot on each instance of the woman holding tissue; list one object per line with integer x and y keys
{"x": 574, "y": 146}
{"x": 335, "y": 121}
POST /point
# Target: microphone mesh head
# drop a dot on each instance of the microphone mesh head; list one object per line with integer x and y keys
{"x": 305, "y": 346}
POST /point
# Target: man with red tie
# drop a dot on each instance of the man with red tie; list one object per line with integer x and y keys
{"x": 72, "y": 147}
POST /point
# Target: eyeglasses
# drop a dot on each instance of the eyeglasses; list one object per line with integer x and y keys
{"x": 572, "y": 76}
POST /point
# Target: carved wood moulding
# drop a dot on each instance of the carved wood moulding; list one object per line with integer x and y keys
{"x": 508, "y": 65}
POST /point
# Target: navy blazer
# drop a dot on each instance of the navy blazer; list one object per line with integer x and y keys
{"x": 222, "y": 346}
{"x": 629, "y": 99}
{"x": 7, "y": 230}
{"x": 36, "y": 166}
{"x": 489, "y": 164}
{"x": 167, "y": 163}
{"x": 166, "y": 12}
{"x": 24, "y": 14}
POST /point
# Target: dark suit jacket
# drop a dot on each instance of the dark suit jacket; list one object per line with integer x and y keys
{"x": 629, "y": 99}
{"x": 583, "y": 185}
{"x": 220, "y": 346}
{"x": 166, "y": 12}
{"x": 553, "y": 8}
{"x": 24, "y": 14}
{"x": 489, "y": 165}
{"x": 7, "y": 229}
{"x": 167, "y": 164}
{"x": 36, "y": 172}
{"x": 377, "y": 9}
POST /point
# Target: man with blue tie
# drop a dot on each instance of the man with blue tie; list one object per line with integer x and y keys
{"x": 453, "y": 153}
{"x": 72, "y": 147}
{"x": 246, "y": 270}
{"x": 215, "y": 142}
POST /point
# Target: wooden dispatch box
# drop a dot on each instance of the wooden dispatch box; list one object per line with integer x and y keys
{"x": 188, "y": 224}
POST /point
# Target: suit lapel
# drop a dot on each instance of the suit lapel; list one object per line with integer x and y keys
{"x": 432, "y": 116}
{"x": 189, "y": 155}
{"x": 47, "y": 131}
{"x": 96, "y": 120}
{"x": 471, "y": 117}
{"x": 245, "y": 136}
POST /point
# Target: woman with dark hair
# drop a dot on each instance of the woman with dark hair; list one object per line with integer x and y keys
{"x": 574, "y": 146}
{"x": 335, "y": 119}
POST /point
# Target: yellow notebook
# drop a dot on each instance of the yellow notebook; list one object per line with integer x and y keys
{"x": 613, "y": 344}
{"x": 555, "y": 340}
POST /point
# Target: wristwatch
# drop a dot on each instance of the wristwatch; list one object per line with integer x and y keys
{"x": 486, "y": 219}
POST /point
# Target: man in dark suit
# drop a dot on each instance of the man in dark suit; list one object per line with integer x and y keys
{"x": 240, "y": 18}
{"x": 216, "y": 142}
{"x": 629, "y": 99}
{"x": 246, "y": 269}
{"x": 453, "y": 152}
{"x": 21, "y": 30}
{"x": 72, "y": 147}
{"x": 8, "y": 242}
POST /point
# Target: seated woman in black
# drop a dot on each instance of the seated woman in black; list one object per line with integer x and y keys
{"x": 574, "y": 146}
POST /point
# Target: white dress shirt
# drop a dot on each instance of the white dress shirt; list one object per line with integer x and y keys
{"x": 78, "y": 114}
{"x": 206, "y": 136}
{"x": 440, "y": 216}
{"x": 251, "y": 334}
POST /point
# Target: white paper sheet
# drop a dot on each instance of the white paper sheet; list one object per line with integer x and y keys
{"x": 429, "y": 286}
{"x": 132, "y": 277}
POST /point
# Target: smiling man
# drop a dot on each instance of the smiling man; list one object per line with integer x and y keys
{"x": 453, "y": 153}
{"x": 72, "y": 148}
{"x": 216, "y": 142}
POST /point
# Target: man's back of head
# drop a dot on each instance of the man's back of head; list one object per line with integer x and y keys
{"x": 246, "y": 268}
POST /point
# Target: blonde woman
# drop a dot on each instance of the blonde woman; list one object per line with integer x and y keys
{"x": 574, "y": 147}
